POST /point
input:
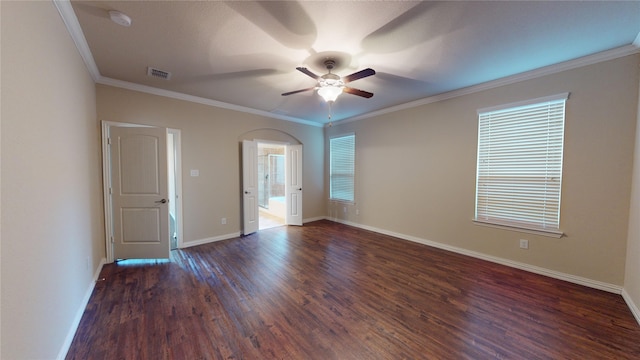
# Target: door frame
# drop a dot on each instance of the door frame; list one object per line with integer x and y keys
{"x": 286, "y": 145}
{"x": 106, "y": 183}
{"x": 177, "y": 145}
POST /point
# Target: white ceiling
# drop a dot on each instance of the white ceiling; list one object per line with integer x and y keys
{"x": 244, "y": 54}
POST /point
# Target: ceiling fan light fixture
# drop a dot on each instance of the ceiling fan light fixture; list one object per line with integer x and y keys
{"x": 330, "y": 92}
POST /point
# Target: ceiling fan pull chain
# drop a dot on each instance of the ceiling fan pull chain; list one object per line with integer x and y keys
{"x": 330, "y": 103}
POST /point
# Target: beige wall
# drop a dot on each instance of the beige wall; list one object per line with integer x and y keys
{"x": 632, "y": 273}
{"x": 211, "y": 140}
{"x": 415, "y": 172}
{"x": 52, "y": 229}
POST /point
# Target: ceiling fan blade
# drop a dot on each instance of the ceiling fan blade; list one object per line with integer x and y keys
{"x": 307, "y": 72}
{"x": 298, "y": 91}
{"x": 358, "y": 92}
{"x": 358, "y": 75}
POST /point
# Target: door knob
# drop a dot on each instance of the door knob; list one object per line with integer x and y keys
{"x": 300, "y": 189}
{"x": 246, "y": 192}
{"x": 163, "y": 201}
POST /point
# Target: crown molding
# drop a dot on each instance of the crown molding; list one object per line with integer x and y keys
{"x": 199, "y": 100}
{"x": 544, "y": 71}
{"x": 73, "y": 27}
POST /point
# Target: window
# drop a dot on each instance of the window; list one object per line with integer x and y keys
{"x": 519, "y": 174}
{"x": 342, "y": 167}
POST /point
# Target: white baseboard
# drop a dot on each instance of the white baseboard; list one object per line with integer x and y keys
{"x": 304, "y": 221}
{"x": 632, "y": 306}
{"x": 209, "y": 240}
{"x": 83, "y": 306}
{"x": 231, "y": 236}
{"x": 514, "y": 264}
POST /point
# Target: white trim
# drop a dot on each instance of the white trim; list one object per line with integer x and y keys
{"x": 73, "y": 26}
{"x": 177, "y": 144}
{"x": 514, "y": 264}
{"x": 81, "y": 309}
{"x": 343, "y": 134}
{"x": 273, "y": 142}
{"x": 106, "y": 184}
{"x": 550, "y": 233}
{"x": 187, "y": 244}
{"x": 544, "y": 71}
{"x": 556, "y": 97}
{"x": 317, "y": 218}
{"x": 199, "y": 100}
{"x": 632, "y": 306}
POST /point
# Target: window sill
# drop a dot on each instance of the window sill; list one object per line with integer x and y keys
{"x": 340, "y": 201}
{"x": 549, "y": 233}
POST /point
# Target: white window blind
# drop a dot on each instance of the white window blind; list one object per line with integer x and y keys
{"x": 519, "y": 174}
{"x": 342, "y": 167}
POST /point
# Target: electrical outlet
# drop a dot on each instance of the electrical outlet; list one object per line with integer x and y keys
{"x": 524, "y": 244}
{"x": 223, "y": 221}
{"x": 344, "y": 209}
{"x": 357, "y": 211}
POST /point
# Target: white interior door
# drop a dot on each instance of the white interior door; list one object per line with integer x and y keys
{"x": 293, "y": 185}
{"x": 139, "y": 192}
{"x": 250, "y": 186}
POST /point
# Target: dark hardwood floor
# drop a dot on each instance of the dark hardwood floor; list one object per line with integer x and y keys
{"x": 330, "y": 291}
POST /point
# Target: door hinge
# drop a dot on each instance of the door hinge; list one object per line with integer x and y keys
{"x": 108, "y": 141}
{"x": 110, "y": 191}
{"x": 112, "y": 240}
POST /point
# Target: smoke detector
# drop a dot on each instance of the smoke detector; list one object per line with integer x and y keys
{"x": 120, "y": 18}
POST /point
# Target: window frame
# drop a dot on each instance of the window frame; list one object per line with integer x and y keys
{"x": 537, "y": 226}
{"x": 353, "y": 173}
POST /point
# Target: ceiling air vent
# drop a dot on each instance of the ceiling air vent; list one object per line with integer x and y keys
{"x": 157, "y": 73}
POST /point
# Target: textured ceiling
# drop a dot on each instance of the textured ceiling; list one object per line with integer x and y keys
{"x": 245, "y": 53}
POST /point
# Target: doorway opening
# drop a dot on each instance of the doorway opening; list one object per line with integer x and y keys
{"x": 252, "y": 182}
{"x": 271, "y": 185}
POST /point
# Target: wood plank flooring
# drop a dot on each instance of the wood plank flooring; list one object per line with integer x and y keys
{"x": 330, "y": 291}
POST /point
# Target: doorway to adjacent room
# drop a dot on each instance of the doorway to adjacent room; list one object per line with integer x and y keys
{"x": 268, "y": 188}
{"x": 271, "y": 185}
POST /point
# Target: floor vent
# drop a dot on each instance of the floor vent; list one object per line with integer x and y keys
{"x": 161, "y": 74}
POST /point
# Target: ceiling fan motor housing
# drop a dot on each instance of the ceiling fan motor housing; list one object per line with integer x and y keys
{"x": 329, "y": 64}
{"x": 330, "y": 80}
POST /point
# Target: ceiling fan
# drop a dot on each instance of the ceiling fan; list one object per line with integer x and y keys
{"x": 331, "y": 85}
